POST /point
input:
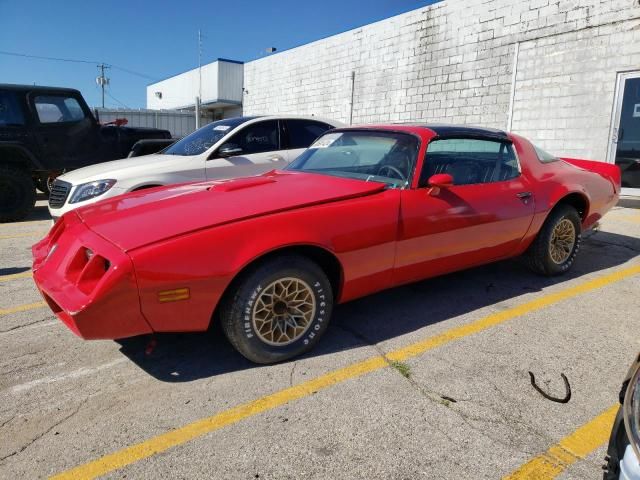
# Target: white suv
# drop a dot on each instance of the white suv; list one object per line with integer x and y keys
{"x": 227, "y": 148}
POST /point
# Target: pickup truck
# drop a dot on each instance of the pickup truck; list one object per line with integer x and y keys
{"x": 46, "y": 131}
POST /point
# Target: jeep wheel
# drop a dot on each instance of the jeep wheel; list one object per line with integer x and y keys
{"x": 17, "y": 193}
{"x": 44, "y": 185}
{"x": 554, "y": 249}
{"x": 278, "y": 310}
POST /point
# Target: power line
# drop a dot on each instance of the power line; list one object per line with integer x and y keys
{"x": 115, "y": 99}
{"x": 75, "y": 60}
{"x": 133, "y": 72}
{"x": 40, "y": 57}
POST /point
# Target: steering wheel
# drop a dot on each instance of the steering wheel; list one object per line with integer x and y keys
{"x": 395, "y": 172}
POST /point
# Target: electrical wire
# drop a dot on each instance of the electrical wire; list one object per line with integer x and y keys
{"x": 75, "y": 60}
{"x": 115, "y": 99}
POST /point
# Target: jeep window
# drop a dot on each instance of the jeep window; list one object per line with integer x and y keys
{"x": 204, "y": 138}
{"x": 58, "y": 109}
{"x": 10, "y": 111}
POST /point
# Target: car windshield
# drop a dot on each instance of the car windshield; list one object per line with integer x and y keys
{"x": 204, "y": 138}
{"x": 373, "y": 156}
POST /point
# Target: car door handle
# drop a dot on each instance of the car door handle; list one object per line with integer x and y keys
{"x": 276, "y": 158}
{"x": 524, "y": 195}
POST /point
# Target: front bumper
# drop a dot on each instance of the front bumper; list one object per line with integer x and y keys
{"x": 67, "y": 207}
{"x": 94, "y": 293}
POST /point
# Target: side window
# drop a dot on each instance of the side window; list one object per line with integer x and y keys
{"x": 58, "y": 109}
{"x": 471, "y": 161}
{"x": 11, "y": 113}
{"x": 303, "y": 133}
{"x": 258, "y": 137}
{"x": 543, "y": 156}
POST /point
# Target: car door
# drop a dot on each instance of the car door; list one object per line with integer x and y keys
{"x": 66, "y": 133}
{"x": 252, "y": 150}
{"x": 298, "y": 134}
{"x": 482, "y": 217}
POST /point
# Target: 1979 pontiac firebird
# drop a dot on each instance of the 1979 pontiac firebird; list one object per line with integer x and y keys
{"x": 362, "y": 210}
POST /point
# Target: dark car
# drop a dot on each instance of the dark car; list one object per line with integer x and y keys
{"x": 45, "y": 131}
{"x": 623, "y": 453}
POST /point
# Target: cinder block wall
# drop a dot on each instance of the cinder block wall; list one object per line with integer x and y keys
{"x": 454, "y": 62}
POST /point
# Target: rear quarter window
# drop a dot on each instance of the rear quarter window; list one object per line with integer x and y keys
{"x": 10, "y": 110}
{"x": 543, "y": 156}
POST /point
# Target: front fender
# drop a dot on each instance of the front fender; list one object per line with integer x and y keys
{"x": 359, "y": 232}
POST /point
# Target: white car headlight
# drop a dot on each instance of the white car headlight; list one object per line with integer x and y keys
{"x": 89, "y": 190}
{"x": 631, "y": 410}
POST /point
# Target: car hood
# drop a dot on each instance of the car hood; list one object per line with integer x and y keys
{"x": 107, "y": 170}
{"x": 144, "y": 217}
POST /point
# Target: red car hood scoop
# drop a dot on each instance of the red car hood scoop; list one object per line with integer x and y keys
{"x": 141, "y": 218}
{"x": 241, "y": 183}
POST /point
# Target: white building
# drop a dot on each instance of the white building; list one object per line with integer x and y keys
{"x": 564, "y": 73}
{"x": 217, "y": 84}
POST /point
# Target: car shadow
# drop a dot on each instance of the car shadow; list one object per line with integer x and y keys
{"x": 382, "y": 316}
{"x": 13, "y": 270}
{"x": 39, "y": 212}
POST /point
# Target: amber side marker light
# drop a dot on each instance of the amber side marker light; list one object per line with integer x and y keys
{"x": 173, "y": 295}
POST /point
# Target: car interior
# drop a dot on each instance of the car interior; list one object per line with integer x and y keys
{"x": 471, "y": 167}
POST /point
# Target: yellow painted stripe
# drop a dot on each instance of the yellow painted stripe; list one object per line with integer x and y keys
{"x": 165, "y": 441}
{"x": 569, "y": 450}
{"x": 40, "y": 233}
{"x": 14, "y": 276}
{"x": 22, "y": 308}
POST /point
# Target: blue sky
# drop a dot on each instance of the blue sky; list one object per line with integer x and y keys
{"x": 159, "y": 38}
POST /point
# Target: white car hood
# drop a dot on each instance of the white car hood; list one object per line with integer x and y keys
{"x": 119, "y": 169}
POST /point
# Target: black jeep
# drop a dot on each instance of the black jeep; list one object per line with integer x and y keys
{"x": 45, "y": 131}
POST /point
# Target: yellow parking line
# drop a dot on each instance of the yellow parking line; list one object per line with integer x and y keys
{"x": 181, "y": 435}
{"x": 25, "y": 234}
{"x": 569, "y": 450}
{"x": 14, "y": 276}
{"x": 22, "y": 308}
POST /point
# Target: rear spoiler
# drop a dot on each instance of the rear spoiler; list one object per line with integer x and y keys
{"x": 607, "y": 170}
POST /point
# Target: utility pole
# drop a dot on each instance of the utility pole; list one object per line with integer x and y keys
{"x": 199, "y": 98}
{"x": 199, "y": 64}
{"x": 102, "y": 80}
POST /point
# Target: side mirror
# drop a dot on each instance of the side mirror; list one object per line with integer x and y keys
{"x": 440, "y": 180}
{"x": 229, "y": 150}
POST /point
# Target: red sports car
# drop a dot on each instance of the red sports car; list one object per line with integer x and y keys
{"x": 363, "y": 209}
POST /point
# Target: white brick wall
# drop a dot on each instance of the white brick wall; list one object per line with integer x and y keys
{"x": 453, "y": 61}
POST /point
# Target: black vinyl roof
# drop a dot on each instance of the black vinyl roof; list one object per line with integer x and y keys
{"x": 443, "y": 130}
{"x": 29, "y": 88}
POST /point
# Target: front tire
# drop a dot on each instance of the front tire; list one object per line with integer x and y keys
{"x": 278, "y": 310}
{"x": 17, "y": 193}
{"x": 556, "y": 246}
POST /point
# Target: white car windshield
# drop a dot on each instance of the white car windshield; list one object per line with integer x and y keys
{"x": 374, "y": 156}
{"x": 205, "y": 137}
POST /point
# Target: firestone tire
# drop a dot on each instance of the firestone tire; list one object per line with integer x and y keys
{"x": 17, "y": 193}
{"x": 278, "y": 310}
{"x": 555, "y": 248}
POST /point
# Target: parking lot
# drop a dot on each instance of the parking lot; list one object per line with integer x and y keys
{"x": 425, "y": 381}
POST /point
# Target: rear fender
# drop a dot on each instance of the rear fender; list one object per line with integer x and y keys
{"x": 607, "y": 170}
{"x": 18, "y": 155}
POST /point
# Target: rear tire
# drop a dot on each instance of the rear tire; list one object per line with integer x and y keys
{"x": 277, "y": 310}
{"x": 556, "y": 246}
{"x": 17, "y": 193}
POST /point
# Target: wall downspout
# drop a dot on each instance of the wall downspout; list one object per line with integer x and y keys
{"x": 514, "y": 73}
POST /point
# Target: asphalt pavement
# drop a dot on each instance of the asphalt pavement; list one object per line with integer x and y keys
{"x": 430, "y": 380}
